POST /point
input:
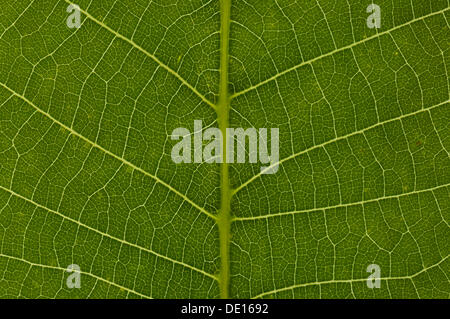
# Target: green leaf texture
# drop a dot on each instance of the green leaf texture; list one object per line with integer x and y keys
{"x": 86, "y": 175}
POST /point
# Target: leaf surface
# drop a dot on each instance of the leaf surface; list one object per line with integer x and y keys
{"x": 86, "y": 175}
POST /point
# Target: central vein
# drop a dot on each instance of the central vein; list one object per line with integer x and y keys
{"x": 223, "y": 106}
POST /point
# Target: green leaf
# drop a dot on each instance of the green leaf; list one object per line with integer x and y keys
{"x": 86, "y": 176}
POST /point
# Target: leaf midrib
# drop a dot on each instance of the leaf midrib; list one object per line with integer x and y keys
{"x": 223, "y": 109}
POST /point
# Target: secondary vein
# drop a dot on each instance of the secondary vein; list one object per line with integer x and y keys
{"x": 153, "y": 57}
{"x": 137, "y": 168}
{"x": 32, "y": 264}
{"x": 103, "y": 234}
{"x": 349, "y": 46}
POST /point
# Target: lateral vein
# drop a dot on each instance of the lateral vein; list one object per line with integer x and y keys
{"x": 184, "y": 197}
{"x": 243, "y": 185}
{"x": 347, "y": 281}
{"x": 107, "y": 235}
{"x": 81, "y": 272}
{"x": 334, "y": 52}
{"x": 154, "y": 58}
{"x": 339, "y": 205}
